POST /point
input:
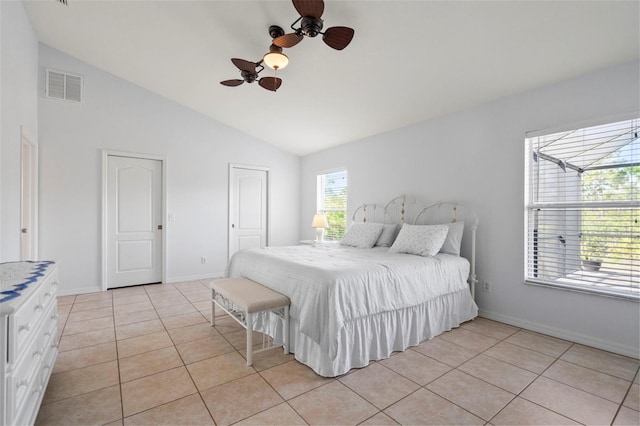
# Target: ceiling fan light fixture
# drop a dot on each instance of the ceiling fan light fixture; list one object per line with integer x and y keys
{"x": 275, "y": 59}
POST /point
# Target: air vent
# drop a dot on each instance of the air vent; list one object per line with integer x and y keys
{"x": 61, "y": 85}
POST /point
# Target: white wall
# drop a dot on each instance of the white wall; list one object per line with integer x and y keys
{"x": 117, "y": 115}
{"x": 18, "y": 109}
{"x": 477, "y": 156}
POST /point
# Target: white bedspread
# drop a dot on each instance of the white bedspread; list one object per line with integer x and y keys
{"x": 330, "y": 286}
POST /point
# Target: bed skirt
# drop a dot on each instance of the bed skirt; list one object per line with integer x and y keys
{"x": 376, "y": 336}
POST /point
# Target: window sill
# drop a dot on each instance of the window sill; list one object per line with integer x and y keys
{"x": 595, "y": 290}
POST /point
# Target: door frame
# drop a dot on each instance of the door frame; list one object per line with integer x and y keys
{"x": 105, "y": 157}
{"x": 26, "y": 140}
{"x": 232, "y": 167}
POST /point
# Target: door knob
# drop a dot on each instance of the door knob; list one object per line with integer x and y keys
{"x": 24, "y": 230}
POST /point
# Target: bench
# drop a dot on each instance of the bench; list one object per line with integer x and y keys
{"x": 242, "y": 298}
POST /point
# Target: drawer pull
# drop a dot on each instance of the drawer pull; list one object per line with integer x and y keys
{"x": 21, "y": 383}
{"x": 47, "y": 334}
{"x": 47, "y": 294}
{"x": 38, "y": 307}
{"x": 25, "y": 327}
{"x": 36, "y": 353}
{"x": 54, "y": 283}
{"x": 54, "y": 316}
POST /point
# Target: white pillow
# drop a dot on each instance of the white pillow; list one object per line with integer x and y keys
{"x": 362, "y": 235}
{"x": 423, "y": 240}
{"x": 454, "y": 239}
{"x": 388, "y": 235}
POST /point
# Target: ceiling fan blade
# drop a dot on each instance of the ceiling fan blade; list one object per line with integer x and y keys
{"x": 338, "y": 37}
{"x": 288, "y": 40}
{"x": 232, "y": 83}
{"x": 270, "y": 83}
{"x": 244, "y": 65}
{"x": 312, "y": 8}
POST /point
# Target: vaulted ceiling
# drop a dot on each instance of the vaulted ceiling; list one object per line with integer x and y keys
{"x": 409, "y": 61}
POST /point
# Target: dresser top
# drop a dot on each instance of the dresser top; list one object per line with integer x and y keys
{"x": 16, "y": 277}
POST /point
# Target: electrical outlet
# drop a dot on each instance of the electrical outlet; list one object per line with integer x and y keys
{"x": 486, "y": 287}
{"x": 203, "y": 260}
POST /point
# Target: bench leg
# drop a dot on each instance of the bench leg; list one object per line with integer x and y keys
{"x": 249, "y": 339}
{"x": 213, "y": 308}
{"x": 286, "y": 330}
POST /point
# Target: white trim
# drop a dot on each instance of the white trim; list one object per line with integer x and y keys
{"x": 229, "y": 193}
{"x": 27, "y": 138}
{"x": 180, "y": 279}
{"x": 163, "y": 160}
{"x": 76, "y": 291}
{"x": 560, "y": 333}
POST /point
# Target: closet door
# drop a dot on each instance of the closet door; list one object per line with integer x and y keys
{"x": 248, "y": 208}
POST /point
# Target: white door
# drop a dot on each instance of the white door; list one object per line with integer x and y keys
{"x": 134, "y": 221}
{"x": 28, "y": 198}
{"x": 248, "y": 208}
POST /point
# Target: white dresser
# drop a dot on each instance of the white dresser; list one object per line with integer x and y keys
{"x": 28, "y": 345}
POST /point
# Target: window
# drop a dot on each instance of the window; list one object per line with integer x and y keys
{"x": 332, "y": 201}
{"x": 583, "y": 207}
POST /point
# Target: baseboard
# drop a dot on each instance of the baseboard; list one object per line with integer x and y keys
{"x": 75, "y": 291}
{"x": 583, "y": 339}
{"x": 172, "y": 280}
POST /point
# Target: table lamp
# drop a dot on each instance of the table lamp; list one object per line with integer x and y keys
{"x": 319, "y": 222}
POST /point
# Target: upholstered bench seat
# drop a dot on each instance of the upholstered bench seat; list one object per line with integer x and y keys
{"x": 242, "y": 298}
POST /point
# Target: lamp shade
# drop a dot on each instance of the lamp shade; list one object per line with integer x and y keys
{"x": 319, "y": 221}
{"x": 276, "y": 60}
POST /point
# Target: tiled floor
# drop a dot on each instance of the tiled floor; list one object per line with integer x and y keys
{"x": 147, "y": 355}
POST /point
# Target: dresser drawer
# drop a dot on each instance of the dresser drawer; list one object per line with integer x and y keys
{"x": 25, "y": 379}
{"x": 49, "y": 290}
{"x": 23, "y": 325}
{"x": 33, "y": 372}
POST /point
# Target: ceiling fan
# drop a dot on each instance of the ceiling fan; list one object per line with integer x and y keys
{"x": 249, "y": 72}
{"x": 311, "y": 25}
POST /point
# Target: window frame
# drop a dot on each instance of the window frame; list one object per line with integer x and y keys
{"x": 531, "y": 249}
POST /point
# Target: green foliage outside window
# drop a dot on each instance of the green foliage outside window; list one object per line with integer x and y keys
{"x": 333, "y": 187}
{"x": 605, "y": 233}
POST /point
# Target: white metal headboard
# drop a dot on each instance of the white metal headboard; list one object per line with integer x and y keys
{"x": 369, "y": 213}
{"x": 449, "y": 212}
{"x": 402, "y": 209}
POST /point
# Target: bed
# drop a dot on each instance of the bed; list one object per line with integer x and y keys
{"x": 351, "y": 304}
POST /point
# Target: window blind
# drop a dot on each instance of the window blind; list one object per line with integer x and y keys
{"x": 583, "y": 208}
{"x": 332, "y": 201}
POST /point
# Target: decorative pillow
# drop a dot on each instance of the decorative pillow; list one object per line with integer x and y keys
{"x": 388, "y": 235}
{"x": 362, "y": 235}
{"x": 454, "y": 239}
{"x": 423, "y": 240}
